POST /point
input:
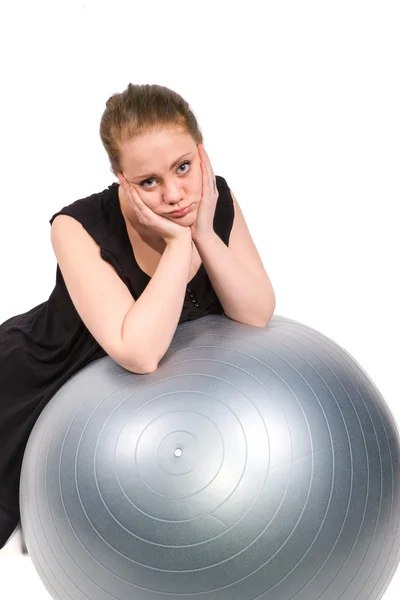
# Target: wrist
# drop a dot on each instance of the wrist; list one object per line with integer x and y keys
{"x": 183, "y": 238}
{"x": 201, "y": 238}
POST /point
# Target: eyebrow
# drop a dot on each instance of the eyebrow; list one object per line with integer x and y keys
{"x": 155, "y": 174}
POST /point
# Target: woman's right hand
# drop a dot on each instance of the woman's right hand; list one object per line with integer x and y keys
{"x": 147, "y": 218}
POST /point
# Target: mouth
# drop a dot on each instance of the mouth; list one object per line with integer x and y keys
{"x": 181, "y": 212}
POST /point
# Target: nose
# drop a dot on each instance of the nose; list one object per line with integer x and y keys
{"x": 172, "y": 193}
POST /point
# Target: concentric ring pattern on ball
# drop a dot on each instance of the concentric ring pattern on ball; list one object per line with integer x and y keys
{"x": 254, "y": 463}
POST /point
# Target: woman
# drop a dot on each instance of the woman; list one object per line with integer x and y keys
{"x": 166, "y": 245}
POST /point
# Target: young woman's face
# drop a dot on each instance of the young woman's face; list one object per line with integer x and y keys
{"x": 164, "y": 168}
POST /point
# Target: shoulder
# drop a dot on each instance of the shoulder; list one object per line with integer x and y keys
{"x": 221, "y": 183}
{"x": 224, "y": 210}
{"x": 94, "y": 212}
{"x": 223, "y": 189}
{"x": 91, "y": 209}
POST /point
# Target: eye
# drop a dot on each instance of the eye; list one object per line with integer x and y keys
{"x": 185, "y": 163}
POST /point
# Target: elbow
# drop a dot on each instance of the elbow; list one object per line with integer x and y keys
{"x": 140, "y": 367}
{"x": 140, "y": 362}
{"x": 148, "y": 365}
{"x": 270, "y": 312}
{"x": 150, "y": 368}
{"x": 265, "y": 319}
{"x": 142, "y": 370}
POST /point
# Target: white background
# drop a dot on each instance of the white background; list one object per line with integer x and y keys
{"x": 298, "y": 102}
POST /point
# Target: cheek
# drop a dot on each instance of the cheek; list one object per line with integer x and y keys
{"x": 149, "y": 200}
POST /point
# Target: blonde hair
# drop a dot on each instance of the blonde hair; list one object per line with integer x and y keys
{"x": 140, "y": 109}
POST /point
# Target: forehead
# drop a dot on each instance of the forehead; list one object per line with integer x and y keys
{"x": 155, "y": 150}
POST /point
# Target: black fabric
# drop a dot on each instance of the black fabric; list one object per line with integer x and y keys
{"x": 9, "y": 520}
{"x": 44, "y": 347}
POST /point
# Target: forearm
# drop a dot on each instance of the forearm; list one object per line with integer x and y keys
{"x": 244, "y": 295}
{"x": 151, "y": 322}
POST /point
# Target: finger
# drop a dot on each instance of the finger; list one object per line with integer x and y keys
{"x": 126, "y": 183}
{"x": 132, "y": 193}
{"x": 204, "y": 176}
{"x": 123, "y": 180}
{"x": 126, "y": 186}
{"x": 208, "y": 182}
{"x": 207, "y": 161}
{"x": 208, "y": 170}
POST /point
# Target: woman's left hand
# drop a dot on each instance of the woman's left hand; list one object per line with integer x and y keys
{"x": 204, "y": 224}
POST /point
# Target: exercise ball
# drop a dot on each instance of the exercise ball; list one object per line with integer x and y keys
{"x": 253, "y": 463}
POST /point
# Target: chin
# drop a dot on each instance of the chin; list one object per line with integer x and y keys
{"x": 187, "y": 221}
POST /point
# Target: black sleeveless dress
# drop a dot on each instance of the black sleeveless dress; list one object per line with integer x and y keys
{"x": 42, "y": 348}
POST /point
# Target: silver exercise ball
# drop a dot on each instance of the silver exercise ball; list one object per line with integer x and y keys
{"x": 253, "y": 463}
